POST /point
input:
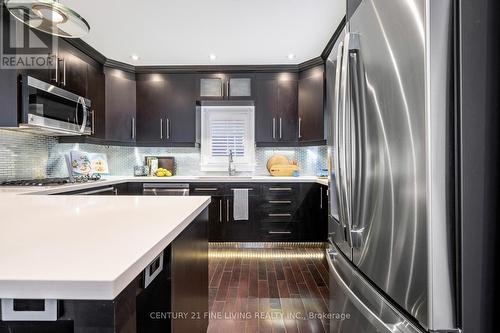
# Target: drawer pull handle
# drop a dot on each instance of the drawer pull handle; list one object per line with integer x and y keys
{"x": 279, "y": 232}
{"x": 211, "y": 189}
{"x": 285, "y": 202}
{"x": 288, "y": 189}
{"x": 239, "y": 188}
{"x": 280, "y": 215}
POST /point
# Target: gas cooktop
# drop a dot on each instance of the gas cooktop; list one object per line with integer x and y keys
{"x": 51, "y": 181}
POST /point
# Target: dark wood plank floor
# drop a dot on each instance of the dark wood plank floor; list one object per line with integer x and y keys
{"x": 268, "y": 290}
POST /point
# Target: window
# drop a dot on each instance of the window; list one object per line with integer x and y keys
{"x": 224, "y": 129}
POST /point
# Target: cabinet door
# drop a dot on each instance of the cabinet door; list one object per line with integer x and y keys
{"x": 287, "y": 110}
{"x": 151, "y": 108}
{"x": 120, "y": 106}
{"x": 211, "y": 86}
{"x": 180, "y": 109}
{"x": 239, "y": 231}
{"x": 216, "y": 230}
{"x": 95, "y": 92}
{"x": 265, "y": 110}
{"x": 311, "y": 95}
{"x": 72, "y": 69}
{"x": 240, "y": 86}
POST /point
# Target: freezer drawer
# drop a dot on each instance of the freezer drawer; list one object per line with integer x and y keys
{"x": 359, "y": 307}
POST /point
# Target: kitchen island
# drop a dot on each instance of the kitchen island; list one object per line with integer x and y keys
{"x": 106, "y": 262}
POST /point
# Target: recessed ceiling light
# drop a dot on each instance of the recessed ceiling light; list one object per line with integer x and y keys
{"x": 134, "y": 57}
{"x": 291, "y": 56}
{"x": 213, "y": 57}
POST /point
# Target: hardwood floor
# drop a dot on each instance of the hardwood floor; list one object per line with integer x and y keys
{"x": 267, "y": 290}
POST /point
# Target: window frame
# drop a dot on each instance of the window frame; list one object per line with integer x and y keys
{"x": 242, "y": 163}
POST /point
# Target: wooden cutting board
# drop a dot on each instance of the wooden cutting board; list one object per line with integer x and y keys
{"x": 276, "y": 159}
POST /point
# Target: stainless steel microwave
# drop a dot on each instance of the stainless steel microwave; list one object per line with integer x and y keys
{"x": 50, "y": 110}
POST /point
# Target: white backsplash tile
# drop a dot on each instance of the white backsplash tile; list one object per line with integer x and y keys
{"x": 24, "y": 155}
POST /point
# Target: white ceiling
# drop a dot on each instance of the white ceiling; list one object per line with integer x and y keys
{"x": 186, "y": 32}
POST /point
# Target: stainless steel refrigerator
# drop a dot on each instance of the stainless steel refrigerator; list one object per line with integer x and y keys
{"x": 390, "y": 83}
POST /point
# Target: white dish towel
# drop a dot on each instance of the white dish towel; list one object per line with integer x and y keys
{"x": 240, "y": 204}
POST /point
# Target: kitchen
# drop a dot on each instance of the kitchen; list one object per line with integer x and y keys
{"x": 312, "y": 177}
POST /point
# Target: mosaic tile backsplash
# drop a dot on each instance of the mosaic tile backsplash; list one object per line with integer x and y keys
{"x": 24, "y": 155}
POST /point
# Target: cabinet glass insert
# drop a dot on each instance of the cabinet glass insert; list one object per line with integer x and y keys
{"x": 241, "y": 87}
{"x": 211, "y": 87}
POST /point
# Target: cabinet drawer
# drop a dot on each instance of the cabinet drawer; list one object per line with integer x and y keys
{"x": 277, "y": 232}
{"x": 253, "y": 189}
{"x": 281, "y": 190}
{"x": 206, "y": 189}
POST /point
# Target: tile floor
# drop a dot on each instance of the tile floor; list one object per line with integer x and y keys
{"x": 267, "y": 290}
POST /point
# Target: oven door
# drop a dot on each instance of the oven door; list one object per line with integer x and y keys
{"x": 51, "y": 110}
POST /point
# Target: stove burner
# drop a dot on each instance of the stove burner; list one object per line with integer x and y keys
{"x": 51, "y": 181}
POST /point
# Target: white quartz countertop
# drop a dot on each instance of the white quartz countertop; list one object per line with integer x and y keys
{"x": 84, "y": 247}
{"x": 111, "y": 180}
{"x": 92, "y": 247}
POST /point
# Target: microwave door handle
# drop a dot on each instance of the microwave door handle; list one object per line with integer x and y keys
{"x": 81, "y": 101}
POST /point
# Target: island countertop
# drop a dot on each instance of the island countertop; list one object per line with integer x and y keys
{"x": 85, "y": 247}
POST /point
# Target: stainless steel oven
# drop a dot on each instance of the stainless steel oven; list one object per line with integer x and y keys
{"x": 47, "y": 109}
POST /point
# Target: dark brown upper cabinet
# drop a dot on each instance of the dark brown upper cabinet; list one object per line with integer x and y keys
{"x": 95, "y": 92}
{"x": 166, "y": 109}
{"x": 71, "y": 70}
{"x": 276, "y": 109}
{"x": 121, "y": 121}
{"x": 226, "y": 86}
{"x": 311, "y": 106}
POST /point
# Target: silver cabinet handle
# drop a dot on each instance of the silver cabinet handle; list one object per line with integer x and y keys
{"x": 227, "y": 210}
{"x": 133, "y": 128}
{"x": 274, "y": 189}
{"x": 281, "y": 128}
{"x": 279, "y": 232}
{"x": 168, "y": 129}
{"x": 274, "y": 128}
{"x": 211, "y": 189}
{"x": 284, "y": 202}
{"x": 161, "y": 128}
{"x": 56, "y": 79}
{"x": 220, "y": 210}
{"x": 64, "y": 72}
{"x": 300, "y": 127}
{"x": 227, "y": 88}
{"x": 93, "y": 122}
{"x": 321, "y": 197}
{"x": 279, "y": 215}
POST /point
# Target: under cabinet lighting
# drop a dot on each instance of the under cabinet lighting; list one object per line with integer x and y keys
{"x": 135, "y": 57}
{"x": 291, "y": 56}
{"x": 213, "y": 57}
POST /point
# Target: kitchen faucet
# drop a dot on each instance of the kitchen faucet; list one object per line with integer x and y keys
{"x": 231, "y": 168}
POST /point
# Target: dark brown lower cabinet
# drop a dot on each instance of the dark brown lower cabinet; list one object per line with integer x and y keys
{"x": 295, "y": 212}
{"x": 181, "y": 287}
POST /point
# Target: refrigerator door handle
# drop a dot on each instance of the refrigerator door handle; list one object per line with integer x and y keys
{"x": 344, "y": 135}
{"x": 336, "y": 136}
